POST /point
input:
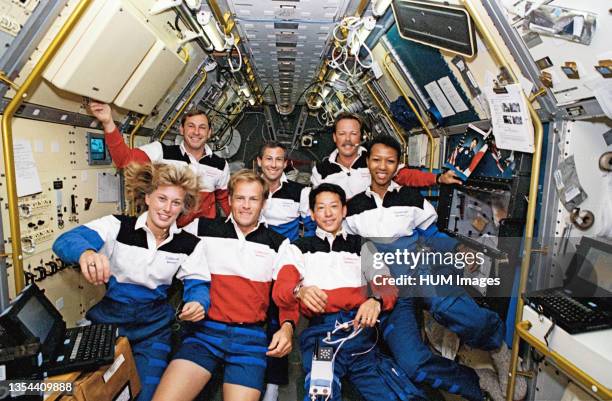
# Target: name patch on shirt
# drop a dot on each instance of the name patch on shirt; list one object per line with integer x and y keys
{"x": 351, "y": 260}
{"x": 401, "y": 213}
{"x": 261, "y": 253}
{"x": 172, "y": 259}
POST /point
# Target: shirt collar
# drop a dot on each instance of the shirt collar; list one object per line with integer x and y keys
{"x": 283, "y": 179}
{"x": 141, "y": 222}
{"x": 334, "y": 155}
{"x": 241, "y": 235}
{"x": 207, "y": 150}
{"x": 325, "y": 235}
{"x": 393, "y": 186}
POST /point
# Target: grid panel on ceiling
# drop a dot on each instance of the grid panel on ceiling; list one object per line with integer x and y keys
{"x": 286, "y": 53}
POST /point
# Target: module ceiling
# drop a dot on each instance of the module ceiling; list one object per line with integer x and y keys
{"x": 286, "y": 39}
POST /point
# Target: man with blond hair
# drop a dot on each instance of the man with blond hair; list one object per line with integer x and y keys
{"x": 241, "y": 252}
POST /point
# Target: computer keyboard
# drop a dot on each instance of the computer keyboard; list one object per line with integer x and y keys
{"x": 85, "y": 348}
{"x": 90, "y": 342}
{"x": 569, "y": 314}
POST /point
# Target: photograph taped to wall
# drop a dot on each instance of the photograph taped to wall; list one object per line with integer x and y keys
{"x": 495, "y": 163}
{"x": 510, "y": 118}
{"x": 466, "y": 156}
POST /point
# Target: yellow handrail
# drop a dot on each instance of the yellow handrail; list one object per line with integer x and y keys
{"x": 430, "y": 137}
{"x": 533, "y": 185}
{"x": 8, "y": 81}
{"x": 185, "y": 104}
{"x": 361, "y": 8}
{"x": 139, "y": 124}
{"x": 522, "y": 328}
{"x": 7, "y": 137}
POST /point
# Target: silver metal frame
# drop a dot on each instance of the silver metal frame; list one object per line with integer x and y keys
{"x": 269, "y": 122}
{"x": 4, "y": 291}
{"x": 542, "y": 263}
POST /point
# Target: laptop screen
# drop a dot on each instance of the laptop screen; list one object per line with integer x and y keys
{"x": 32, "y": 315}
{"x": 596, "y": 268}
{"x": 36, "y": 318}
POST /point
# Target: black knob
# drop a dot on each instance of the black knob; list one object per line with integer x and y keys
{"x": 42, "y": 273}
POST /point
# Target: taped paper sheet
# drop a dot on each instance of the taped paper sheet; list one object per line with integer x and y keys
{"x": 438, "y": 98}
{"x": 510, "y": 118}
{"x": 108, "y": 188}
{"x": 452, "y": 95}
{"x": 28, "y": 181}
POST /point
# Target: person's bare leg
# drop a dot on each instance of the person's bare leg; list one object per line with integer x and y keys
{"x": 182, "y": 381}
{"x": 236, "y": 392}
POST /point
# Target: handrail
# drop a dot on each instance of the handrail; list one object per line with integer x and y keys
{"x": 8, "y": 81}
{"x": 601, "y": 391}
{"x": 7, "y": 137}
{"x": 185, "y": 104}
{"x": 430, "y": 137}
{"x": 139, "y": 124}
{"x": 533, "y": 185}
{"x": 361, "y": 7}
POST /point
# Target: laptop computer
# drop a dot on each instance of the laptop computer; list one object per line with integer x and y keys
{"x": 584, "y": 302}
{"x": 32, "y": 317}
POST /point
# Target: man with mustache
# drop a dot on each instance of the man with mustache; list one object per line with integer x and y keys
{"x": 212, "y": 171}
{"x": 346, "y": 166}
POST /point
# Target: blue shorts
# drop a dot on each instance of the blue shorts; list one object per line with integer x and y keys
{"x": 240, "y": 348}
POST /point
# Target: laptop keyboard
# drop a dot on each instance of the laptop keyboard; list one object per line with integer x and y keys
{"x": 570, "y": 314}
{"x": 570, "y": 309}
{"x": 90, "y": 342}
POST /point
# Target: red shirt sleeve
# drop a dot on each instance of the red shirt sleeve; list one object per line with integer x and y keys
{"x": 221, "y": 196}
{"x": 411, "y": 177}
{"x": 282, "y": 293}
{"x": 121, "y": 154}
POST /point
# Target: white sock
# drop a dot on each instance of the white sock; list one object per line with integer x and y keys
{"x": 271, "y": 393}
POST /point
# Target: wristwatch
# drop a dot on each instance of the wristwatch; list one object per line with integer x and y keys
{"x": 296, "y": 290}
{"x": 290, "y": 322}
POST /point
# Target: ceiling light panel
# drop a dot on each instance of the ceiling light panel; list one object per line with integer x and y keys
{"x": 290, "y": 49}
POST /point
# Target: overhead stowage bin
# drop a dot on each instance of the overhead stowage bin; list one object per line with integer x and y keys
{"x": 102, "y": 52}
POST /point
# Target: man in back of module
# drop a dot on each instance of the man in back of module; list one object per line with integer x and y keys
{"x": 346, "y": 166}
{"x": 212, "y": 171}
{"x": 285, "y": 209}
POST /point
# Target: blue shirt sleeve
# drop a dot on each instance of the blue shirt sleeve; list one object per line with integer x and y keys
{"x": 197, "y": 290}
{"x": 70, "y": 245}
